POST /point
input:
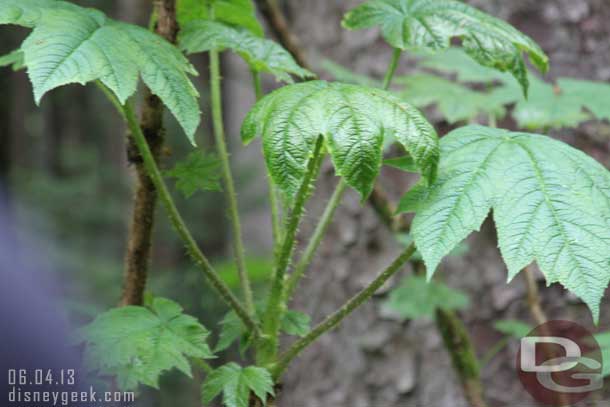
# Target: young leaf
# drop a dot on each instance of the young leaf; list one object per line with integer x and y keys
{"x": 430, "y": 25}
{"x": 236, "y": 383}
{"x": 239, "y": 13}
{"x": 138, "y": 344}
{"x": 513, "y": 327}
{"x": 416, "y": 298}
{"x": 354, "y": 121}
{"x": 455, "y": 102}
{"x": 98, "y": 48}
{"x": 296, "y": 323}
{"x": 197, "y": 172}
{"x": 551, "y": 204}
{"x": 260, "y": 54}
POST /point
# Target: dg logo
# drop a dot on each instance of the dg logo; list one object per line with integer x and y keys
{"x": 560, "y": 363}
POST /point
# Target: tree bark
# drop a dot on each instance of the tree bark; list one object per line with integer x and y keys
{"x": 145, "y": 197}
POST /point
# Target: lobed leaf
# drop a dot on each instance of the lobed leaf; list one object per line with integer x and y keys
{"x": 138, "y": 344}
{"x": 236, "y": 383}
{"x": 197, "y": 172}
{"x": 354, "y": 121}
{"x": 415, "y": 298}
{"x": 431, "y": 25}
{"x": 98, "y": 48}
{"x": 551, "y": 204}
{"x": 456, "y": 102}
{"x": 260, "y": 54}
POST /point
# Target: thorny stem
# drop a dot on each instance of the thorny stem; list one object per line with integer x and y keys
{"x": 231, "y": 196}
{"x": 185, "y": 235}
{"x": 316, "y": 238}
{"x": 273, "y": 201}
{"x": 335, "y": 319}
{"x": 391, "y": 68}
{"x": 275, "y": 306}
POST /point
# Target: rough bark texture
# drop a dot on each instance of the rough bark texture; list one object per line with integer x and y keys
{"x": 372, "y": 359}
{"x": 145, "y": 198}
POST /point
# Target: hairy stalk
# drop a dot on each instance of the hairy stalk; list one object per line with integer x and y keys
{"x": 335, "y": 319}
{"x": 176, "y": 220}
{"x": 276, "y": 226}
{"x": 463, "y": 355}
{"x": 231, "y": 196}
{"x": 139, "y": 242}
{"x": 387, "y": 80}
{"x": 316, "y": 239}
{"x": 275, "y": 305}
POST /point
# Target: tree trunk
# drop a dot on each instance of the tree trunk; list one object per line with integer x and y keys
{"x": 145, "y": 199}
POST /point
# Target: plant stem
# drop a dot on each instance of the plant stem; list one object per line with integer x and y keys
{"x": 139, "y": 242}
{"x": 316, "y": 238}
{"x": 276, "y": 226}
{"x": 463, "y": 355}
{"x": 174, "y": 216}
{"x": 533, "y": 297}
{"x": 335, "y": 319}
{"x": 391, "y": 68}
{"x": 231, "y": 196}
{"x": 275, "y": 305}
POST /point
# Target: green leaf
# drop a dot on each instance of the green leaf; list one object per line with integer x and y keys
{"x": 548, "y": 106}
{"x": 232, "y": 328}
{"x": 260, "y": 54}
{"x": 551, "y": 204}
{"x": 343, "y": 74}
{"x": 513, "y": 327}
{"x": 240, "y": 13}
{"x": 98, "y": 48}
{"x": 404, "y": 163}
{"x": 595, "y": 96}
{"x": 296, "y": 323}
{"x": 416, "y": 298}
{"x": 236, "y": 383}
{"x": 198, "y": 171}
{"x": 138, "y": 344}
{"x": 13, "y": 59}
{"x": 455, "y": 61}
{"x": 456, "y": 102}
{"x": 430, "y": 25}
{"x": 354, "y": 121}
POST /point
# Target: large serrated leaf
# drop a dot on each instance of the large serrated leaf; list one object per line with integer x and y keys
{"x": 138, "y": 344}
{"x": 71, "y": 44}
{"x": 431, "y": 25}
{"x": 262, "y": 55}
{"x": 236, "y": 383}
{"x": 551, "y": 204}
{"x": 354, "y": 120}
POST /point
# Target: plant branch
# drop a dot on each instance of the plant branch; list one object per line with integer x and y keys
{"x": 275, "y": 306}
{"x": 276, "y": 226}
{"x": 387, "y": 80}
{"x": 335, "y": 319}
{"x": 176, "y": 220}
{"x": 231, "y": 196}
{"x": 139, "y": 241}
{"x": 533, "y": 297}
{"x": 463, "y": 355}
{"x": 316, "y": 238}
